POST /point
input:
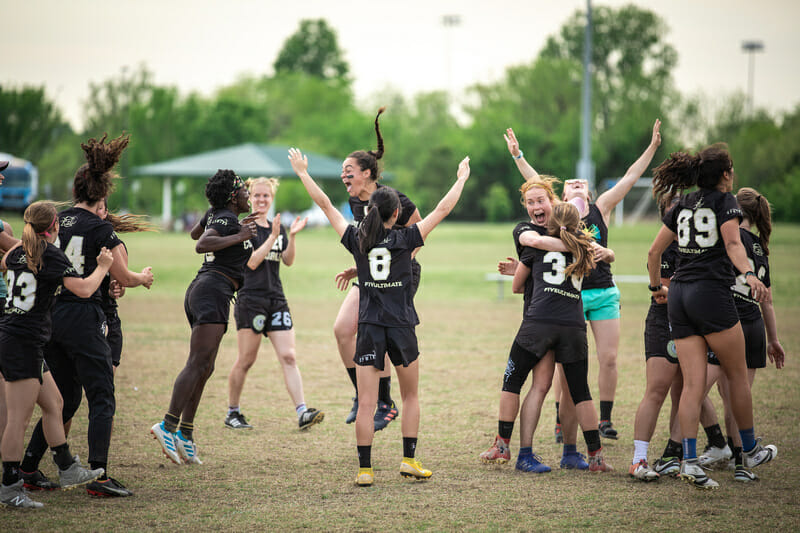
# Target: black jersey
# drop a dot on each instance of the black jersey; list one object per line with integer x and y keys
{"x": 600, "y": 276}
{"x": 108, "y": 302}
{"x": 386, "y": 292}
{"x": 359, "y": 208}
{"x": 697, "y": 219}
{"x": 31, "y": 296}
{"x": 556, "y": 298}
{"x": 230, "y": 261}
{"x": 81, "y": 235}
{"x": 265, "y": 281}
{"x": 746, "y": 306}
{"x": 521, "y": 228}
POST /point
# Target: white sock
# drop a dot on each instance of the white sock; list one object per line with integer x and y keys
{"x": 639, "y": 451}
{"x": 300, "y": 409}
{"x": 233, "y": 409}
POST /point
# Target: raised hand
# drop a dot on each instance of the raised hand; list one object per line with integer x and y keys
{"x": 276, "y": 225}
{"x": 297, "y": 225}
{"x": 298, "y": 161}
{"x": 463, "y": 169}
{"x": 656, "y": 140}
{"x": 511, "y": 142}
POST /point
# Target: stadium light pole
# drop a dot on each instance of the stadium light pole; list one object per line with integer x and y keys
{"x": 750, "y": 48}
{"x": 449, "y": 21}
{"x": 585, "y": 170}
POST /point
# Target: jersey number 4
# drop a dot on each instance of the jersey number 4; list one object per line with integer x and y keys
{"x": 74, "y": 252}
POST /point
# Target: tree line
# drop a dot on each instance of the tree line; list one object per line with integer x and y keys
{"x": 308, "y": 101}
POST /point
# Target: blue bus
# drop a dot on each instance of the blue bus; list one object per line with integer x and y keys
{"x": 20, "y": 183}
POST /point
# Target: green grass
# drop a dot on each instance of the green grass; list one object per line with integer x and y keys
{"x": 276, "y": 478}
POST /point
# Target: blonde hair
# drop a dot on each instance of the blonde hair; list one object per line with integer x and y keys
{"x": 544, "y": 182}
{"x": 566, "y": 224}
{"x": 41, "y": 218}
{"x": 272, "y": 183}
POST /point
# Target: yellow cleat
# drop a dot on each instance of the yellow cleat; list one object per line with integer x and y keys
{"x": 410, "y": 467}
{"x": 365, "y": 477}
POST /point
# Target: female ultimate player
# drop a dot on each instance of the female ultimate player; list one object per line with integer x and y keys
{"x": 758, "y": 325}
{"x": 227, "y": 247}
{"x": 360, "y": 175}
{"x": 261, "y": 308}
{"x": 702, "y": 313}
{"x": 386, "y": 315}
{"x": 36, "y": 270}
{"x": 600, "y": 296}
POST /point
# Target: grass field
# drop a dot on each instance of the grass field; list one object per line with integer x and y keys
{"x": 276, "y": 478}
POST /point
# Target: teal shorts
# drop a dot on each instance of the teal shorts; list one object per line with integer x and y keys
{"x": 600, "y": 304}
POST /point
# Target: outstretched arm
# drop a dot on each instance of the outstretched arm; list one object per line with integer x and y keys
{"x": 523, "y": 166}
{"x": 609, "y": 199}
{"x": 447, "y": 203}
{"x": 300, "y": 166}
{"x": 119, "y": 270}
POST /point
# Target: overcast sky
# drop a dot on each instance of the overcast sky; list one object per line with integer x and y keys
{"x": 200, "y": 45}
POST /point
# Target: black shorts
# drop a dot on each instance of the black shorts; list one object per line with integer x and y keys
{"x": 755, "y": 343}
{"x": 700, "y": 308}
{"x": 114, "y": 337}
{"x": 208, "y": 299}
{"x": 21, "y": 359}
{"x": 568, "y": 343}
{"x": 656, "y": 334}
{"x": 373, "y": 342}
{"x": 520, "y": 363}
{"x": 262, "y": 315}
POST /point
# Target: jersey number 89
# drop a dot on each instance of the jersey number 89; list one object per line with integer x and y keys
{"x": 705, "y": 227}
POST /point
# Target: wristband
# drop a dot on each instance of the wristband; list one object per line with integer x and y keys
{"x": 749, "y": 273}
{"x": 518, "y": 156}
{"x": 655, "y": 288}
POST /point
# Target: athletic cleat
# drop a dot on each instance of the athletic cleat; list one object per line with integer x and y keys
{"x": 642, "y": 471}
{"x": 37, "y": 481}
{"x": 108, "y": 488}
{"x": 310, "y": 417}
{"x": 558, "y": 434}
{"x": 713, "y": 456}
{"x": 15, "y": 495}
{"x": 531, "y": 463}
{"x": 187, "y": 449}
{"x": 411, "y": 467}
{"x": 607, "y": 430}
{"x": 236, "y": 420}
{"x": 351, "y": 416}
{"x": 667, "y": 466}
{"x": 167, "y": 442}
{"x": 574, "y": 461}
{"x": 499, "y": 453}
{"x": 598, "y": 464}
{"x": 744, "y": 475}
{"x": 385, "y": 414}
{"x": 365, "y": 477}
{"x": 76, "y": 475}
{"x": 694, "y": 474}
{"x": 759, "y": 454}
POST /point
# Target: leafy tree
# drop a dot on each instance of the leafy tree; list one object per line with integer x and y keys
{"x": 30, "y": 124}
{"x": 314, "y": 50}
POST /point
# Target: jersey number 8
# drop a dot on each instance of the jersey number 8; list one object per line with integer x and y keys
{"x": 380, "y": 259}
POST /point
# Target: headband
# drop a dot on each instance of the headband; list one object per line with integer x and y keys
{"x": 46, "y": 232}
{"x": 237, "y": 184}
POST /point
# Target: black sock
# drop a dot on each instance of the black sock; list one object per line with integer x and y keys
{"x": 62, "y": 456}
{"x": 37, "y": 446}
{"x": 730, "y": 442}
{"x": 737, "y": 456}
{"x": 352, "y": 373}
{"x": 385, "y": 390}
{"x": 187, "y": 430}
{"x": 171, "y": 422}
{"x": 673, "y": 449}
{"x": 605, "y": 410}
{"x": 97, "y": 464}
{"x": 10, "y": 472}
{"x": 364, "y": 456}
{"x": 409, "y": 447}
{"x": 592, "y": 438}
{"x": 715, "y": 437}
{"x": 505, "y": 429}
{"x": 558, "y": 418}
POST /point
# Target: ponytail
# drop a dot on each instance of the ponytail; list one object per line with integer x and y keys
{"x": 681, "y": 171}
{"x": 382, "y": 205}
{"x": 41, "y": 220}
{"x": 756, "y": 209}
{"x": 369, "y": 159}
{"x": 93, "y": 180}
{"x": 565, "y": 223}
